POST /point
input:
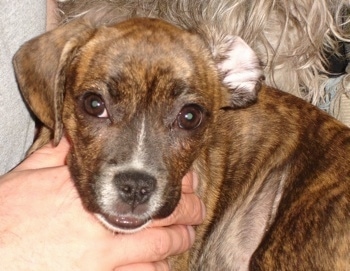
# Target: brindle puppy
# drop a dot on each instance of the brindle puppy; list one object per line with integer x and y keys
{"x": 143, "y": 102}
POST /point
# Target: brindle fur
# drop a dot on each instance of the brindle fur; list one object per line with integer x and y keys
{"x": 274, "y": 174}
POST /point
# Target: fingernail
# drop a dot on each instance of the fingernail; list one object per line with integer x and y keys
{"x": 204, "y": 210}
{"x": 195, "y": 181}
{"x": 192, "y": 234}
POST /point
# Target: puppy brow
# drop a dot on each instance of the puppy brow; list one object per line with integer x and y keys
{"x": 178, "y": 87}
{"x": 113, "y": 86}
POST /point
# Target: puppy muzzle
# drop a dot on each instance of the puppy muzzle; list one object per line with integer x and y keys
{"x": 127, "y": 200}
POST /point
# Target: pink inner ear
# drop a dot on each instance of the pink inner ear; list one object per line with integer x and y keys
{"x": 240, "y": 65}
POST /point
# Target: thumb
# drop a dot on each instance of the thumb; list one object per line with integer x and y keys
{"x": 46, "y": 156}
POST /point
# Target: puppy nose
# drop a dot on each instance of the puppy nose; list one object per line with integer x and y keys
{"x": 135, "y": 187}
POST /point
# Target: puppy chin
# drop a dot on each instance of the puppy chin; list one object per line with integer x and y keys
{"x": 123, "y": 224}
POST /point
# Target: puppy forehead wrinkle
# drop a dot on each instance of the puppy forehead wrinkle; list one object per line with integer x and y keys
{"x": 154, "y": 47}
{"x": 141, "y": 38}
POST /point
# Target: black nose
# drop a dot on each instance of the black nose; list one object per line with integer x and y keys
{"x": 135, "y": 187}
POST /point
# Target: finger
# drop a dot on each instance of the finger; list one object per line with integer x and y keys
{"x": 149, "y": 245}
{"x": 189, "y": 183}
{"x": 47, "y": 156}
{"x": 190, "y": 211}
{"x": 156, "y": 266}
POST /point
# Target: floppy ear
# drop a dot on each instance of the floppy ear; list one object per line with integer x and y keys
{"x": 40, "y": 65}
{"x": 241, "y": 71}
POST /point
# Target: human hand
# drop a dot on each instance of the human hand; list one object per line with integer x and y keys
{"x": 43, "y": 225}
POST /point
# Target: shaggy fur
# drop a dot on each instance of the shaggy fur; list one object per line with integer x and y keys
{"x": 292, "y": 38}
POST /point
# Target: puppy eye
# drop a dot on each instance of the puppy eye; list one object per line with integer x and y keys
{"x": 94, "y": 105}
{"x": 190, "y": 117}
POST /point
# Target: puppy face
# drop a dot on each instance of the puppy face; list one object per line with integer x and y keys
{"x": 137, "y": 101}
{"x": 138, "y": 104}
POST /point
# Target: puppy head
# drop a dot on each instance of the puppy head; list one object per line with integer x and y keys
{"x": 137, "y": 100}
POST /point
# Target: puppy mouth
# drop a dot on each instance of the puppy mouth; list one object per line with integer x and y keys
{"x": 123, "y": 223}
{"x": 126, "y": 201}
